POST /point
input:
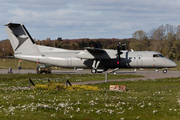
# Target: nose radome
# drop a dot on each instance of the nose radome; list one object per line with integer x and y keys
{"x": 172, "y": 64}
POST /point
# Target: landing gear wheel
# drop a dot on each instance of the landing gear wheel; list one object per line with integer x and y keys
{"x": 93, "y": 70}
{"x": 165, "y": 71}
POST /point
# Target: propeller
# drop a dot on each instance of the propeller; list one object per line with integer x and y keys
{"x": 119, "y": 51}
{"x": 124, "y": 46}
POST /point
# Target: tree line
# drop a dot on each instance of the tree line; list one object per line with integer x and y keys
{"x": 167, "y": 32}
{"x": 164, "y": 39}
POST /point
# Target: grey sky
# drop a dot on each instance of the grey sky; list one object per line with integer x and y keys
{"x": 73, "y": 19}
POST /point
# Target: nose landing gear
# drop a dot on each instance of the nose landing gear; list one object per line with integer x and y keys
{"x": 165, "y": 71}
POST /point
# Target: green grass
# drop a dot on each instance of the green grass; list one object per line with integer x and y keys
{"x": 23, "y": 79}
{"x": 145, "y": 100}
{"x": 13, "y": 63}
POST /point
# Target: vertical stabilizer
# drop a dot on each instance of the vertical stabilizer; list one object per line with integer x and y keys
{"x": 20, "y": 39}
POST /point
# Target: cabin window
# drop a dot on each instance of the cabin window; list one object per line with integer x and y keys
{"x": 158, "y": 55}
{"x": 130, "y": 58}
{"x": 134, "y": 58}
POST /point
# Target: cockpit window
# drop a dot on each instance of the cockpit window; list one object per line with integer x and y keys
{"x": 158, "y": 55}
{"x": 155, "y": 55}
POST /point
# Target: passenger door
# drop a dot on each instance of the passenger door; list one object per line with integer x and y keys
{"x": 139, "y": 60}
{"x": 69, "y": 61}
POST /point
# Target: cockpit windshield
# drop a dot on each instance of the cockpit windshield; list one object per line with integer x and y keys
{"x": 158, "y": 55}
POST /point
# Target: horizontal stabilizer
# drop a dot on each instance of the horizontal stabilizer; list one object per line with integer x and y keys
{"x": 10, "y": 24}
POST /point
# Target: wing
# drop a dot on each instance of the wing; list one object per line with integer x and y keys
{"x": 96, "y": 53}
{"x": 92, "y": 49}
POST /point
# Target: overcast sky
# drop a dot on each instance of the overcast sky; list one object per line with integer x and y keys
{"x": 73, "y": 19}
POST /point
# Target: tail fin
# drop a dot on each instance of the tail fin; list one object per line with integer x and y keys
{"x": 20, "y": 39}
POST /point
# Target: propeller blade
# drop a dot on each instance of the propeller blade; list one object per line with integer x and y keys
{"x": 124, "y": 46}
{"x": 119, "y": 51}
{"x": 119, "y": 58}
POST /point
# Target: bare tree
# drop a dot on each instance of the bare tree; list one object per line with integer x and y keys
{"x": 170, "y": 32}
{"x": 158, "y": 34}
{"x": 139, "y": 35}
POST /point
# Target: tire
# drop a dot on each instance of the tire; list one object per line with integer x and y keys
{"x": 165, "y": 71}
{"x": 93, "y": 71}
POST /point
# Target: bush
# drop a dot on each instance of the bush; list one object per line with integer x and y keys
{"x": 60, "y": 87}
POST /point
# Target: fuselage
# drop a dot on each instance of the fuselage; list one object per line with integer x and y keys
{"x": 129, "y": 59}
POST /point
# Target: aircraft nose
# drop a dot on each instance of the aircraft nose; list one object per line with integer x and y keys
{"x": 172, "y": 64}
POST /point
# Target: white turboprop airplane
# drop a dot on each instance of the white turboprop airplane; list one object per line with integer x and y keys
{"x": 98, "y": 60}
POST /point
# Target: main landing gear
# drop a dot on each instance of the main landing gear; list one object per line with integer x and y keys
{"x": 95, "y": 66}
{"x": 93, "y": 70}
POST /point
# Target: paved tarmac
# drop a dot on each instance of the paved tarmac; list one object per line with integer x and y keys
{"x": 148, "y": 74}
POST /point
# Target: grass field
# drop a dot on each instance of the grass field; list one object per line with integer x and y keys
{"x": 13, "y": 63}
{"x": 144, "y": 100}
{"x": 23, "y": 79}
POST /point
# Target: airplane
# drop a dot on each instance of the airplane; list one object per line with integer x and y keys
{"x": 98, "y": 60}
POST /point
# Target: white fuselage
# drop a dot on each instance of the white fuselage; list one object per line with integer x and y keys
{"x": 67, "y": 58}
